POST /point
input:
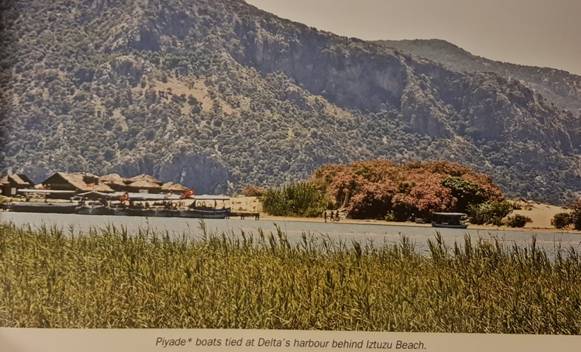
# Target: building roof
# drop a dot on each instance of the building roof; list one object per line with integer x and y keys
{"x": 86, "y": 182}
{"x": 173, "y": 187}
{"x": 143, "y": 184}
{"x": 15, "y": 179}
{"x": 78, "y": 180}
{"x": 112, "y": 178}
{"x": 26, "y": 179}
{"x": 101, "y": 187}
{"x": 74, "y": 178}
{"x": 144, "y": 177}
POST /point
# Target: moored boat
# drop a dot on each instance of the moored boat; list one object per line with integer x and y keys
{"x": 449, "y": 220}
{"x": 31, "y": 207}
{"x": 174, "y": 213}
{"x": 94, "y": 210}
{"x": 205, "y": 213}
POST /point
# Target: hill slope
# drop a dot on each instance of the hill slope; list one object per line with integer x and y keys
{"x": 218, "y": 94}
{"x": 560, "y": 87}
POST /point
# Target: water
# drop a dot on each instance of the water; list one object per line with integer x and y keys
{"x": 375, "y": 234}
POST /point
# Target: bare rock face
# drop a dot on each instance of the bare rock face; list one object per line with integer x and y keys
{"x": 202, "y": 173}
{"x": 342, "y": 71}
{"x": 422, "y": 112}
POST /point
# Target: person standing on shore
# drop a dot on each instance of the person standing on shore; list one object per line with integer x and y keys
{"x": 325, "y": 215}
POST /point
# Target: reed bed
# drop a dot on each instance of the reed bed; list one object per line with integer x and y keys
{"x": 112, "y": 279}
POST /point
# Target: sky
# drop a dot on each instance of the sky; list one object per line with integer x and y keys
{"x": 543, "y": 33}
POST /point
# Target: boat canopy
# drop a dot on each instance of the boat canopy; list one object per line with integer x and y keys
{"x": 131, "y": 196}
{"x": 210, "y": 197}
{"x": 147, "y": 196}
{"x": 449, "y": 214}
{"x": 150, "y": 196}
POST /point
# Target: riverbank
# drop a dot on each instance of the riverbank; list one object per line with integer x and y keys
{"x": 529, "y": 228}
{"x": 539, "y": 213}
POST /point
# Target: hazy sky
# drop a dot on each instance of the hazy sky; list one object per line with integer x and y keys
{"x": 529, "y": 32}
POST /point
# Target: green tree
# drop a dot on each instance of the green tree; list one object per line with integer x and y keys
{"x": 466, "y": 192}
{"x": 562, "y": 220}
{"x": 295, "y": 199}
{"x": 490, "y": 212}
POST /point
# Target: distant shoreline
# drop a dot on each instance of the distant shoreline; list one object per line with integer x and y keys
{"x": 412, "y": 224}
{"x": 540, "y": 214}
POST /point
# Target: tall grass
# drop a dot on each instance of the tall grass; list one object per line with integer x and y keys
{"x": 110, "y": 278}
{"x": 295, "y": 199}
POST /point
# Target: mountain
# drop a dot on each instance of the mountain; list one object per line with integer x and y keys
{"x": 559, "y": 87}
{"x": 217, "y": 94}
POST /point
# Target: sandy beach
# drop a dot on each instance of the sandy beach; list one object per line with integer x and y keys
{"x": 540, "y": 214}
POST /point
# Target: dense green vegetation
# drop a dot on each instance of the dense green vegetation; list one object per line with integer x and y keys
{"x": 217, "y": 94}
{"x": 490, "y": 212}
{"x": 573, "y": 218}
{"x": 295, "y": 199}
{"x": 561, "y": 220}
{"x": 517, "y": 220}
{"x": 111, "y": 279}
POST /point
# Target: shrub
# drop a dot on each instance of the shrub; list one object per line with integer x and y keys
{"x": 518, "y": 220}
{"x": 562, "y": 220}
{"x": 466, "y": 192}
{"x": 402, "y": 212}
{"x": 372, "y": 189}
{"x": 576, "y": 214}
{"x": 489, "y": 212}
{"x": 296, "y": 199}
{"x": 390, "y": 216}
{"x": 372, "y": 201}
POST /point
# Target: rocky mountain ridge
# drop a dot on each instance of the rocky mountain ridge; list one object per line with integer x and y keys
{"x": 558, "y": 86}
{"x": 219, "y": 94}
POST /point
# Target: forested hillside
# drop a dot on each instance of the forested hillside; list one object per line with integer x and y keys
{"x": 218, "y": 94}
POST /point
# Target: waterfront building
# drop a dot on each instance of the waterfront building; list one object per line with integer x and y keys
{"x": 11, "y": 184}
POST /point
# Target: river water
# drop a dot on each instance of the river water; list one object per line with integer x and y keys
{"x": 376, "y": 234}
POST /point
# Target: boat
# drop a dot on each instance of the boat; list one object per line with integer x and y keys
{"x": 31, "y": 207}
{"x": 449, "y": 220}
{"x": 108, "y": 205}
{"x": 94, "y": 208}
{"x": 206, "y": 213}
